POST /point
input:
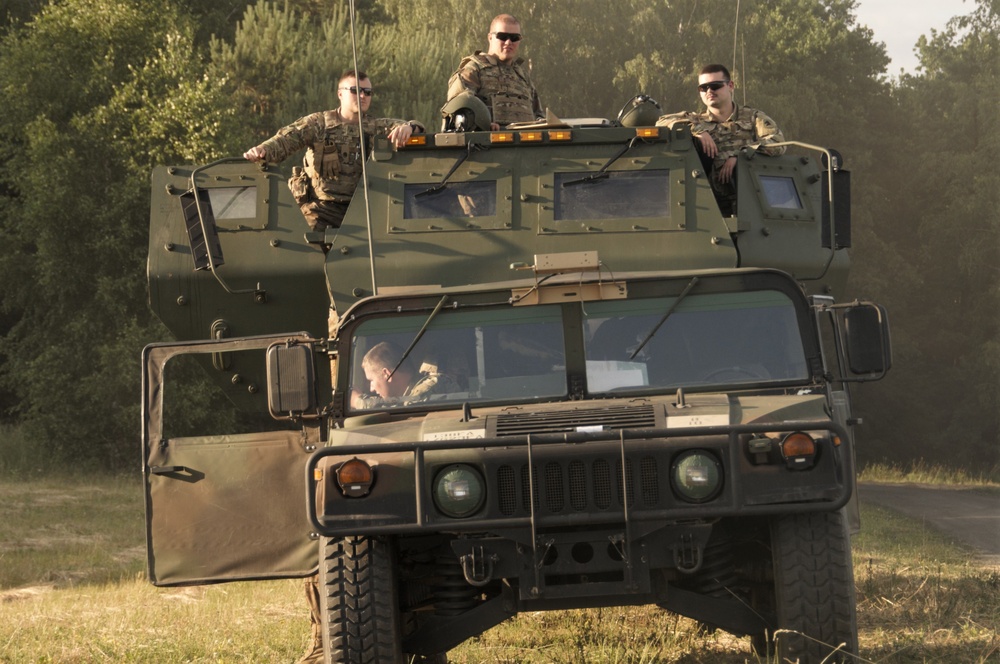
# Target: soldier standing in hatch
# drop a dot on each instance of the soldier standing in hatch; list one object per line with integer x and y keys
{"x": 499, "y": 77}
{"x": 724, "y": 129}
{"x": 331, "y": 168}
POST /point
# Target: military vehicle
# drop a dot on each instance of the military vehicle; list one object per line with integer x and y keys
{"x": 648, "y": 402}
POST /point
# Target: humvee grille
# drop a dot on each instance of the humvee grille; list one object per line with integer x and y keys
{"x": 611, "y": 418}
{"x": 577, "y": 486}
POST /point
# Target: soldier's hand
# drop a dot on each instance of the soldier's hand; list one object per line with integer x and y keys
{"x": 726, "y": 172}
{"x": 400, "y": 134}
{"x": 708, "y": 145}
{"x": 255, "y": 153}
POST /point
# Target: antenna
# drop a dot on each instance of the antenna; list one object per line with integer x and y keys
{"x": 364, "y": 152}
{"x": 736, "y": 29}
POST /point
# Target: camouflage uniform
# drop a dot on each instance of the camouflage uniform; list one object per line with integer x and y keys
{"x": 505, "y": 89}
{"x": 331, "y": 168}
{"x": 746, "y": 127}
{"x": 431, "y": 382}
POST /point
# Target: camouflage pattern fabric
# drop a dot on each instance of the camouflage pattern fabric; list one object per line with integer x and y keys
{"x": 331, "y": 167}
{"x": 745, "y": 127}
{"x": 430, "y": 383}
{"x": 505, "y": 89}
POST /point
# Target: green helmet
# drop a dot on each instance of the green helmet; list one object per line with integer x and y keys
{"x": 639, "y": 111}
{"x": 465, "y": 112}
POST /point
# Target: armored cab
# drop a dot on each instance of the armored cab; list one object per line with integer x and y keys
{"x": 614, "y": 394}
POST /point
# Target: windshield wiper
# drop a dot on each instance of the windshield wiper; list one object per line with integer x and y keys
{"x": 441, "y": 185}
{"x": 601, "y": 172}
{"x": 673, "y": 307}
{"x": 420, "y": 333}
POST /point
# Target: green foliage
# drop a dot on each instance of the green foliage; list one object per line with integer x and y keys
{"x": 939, "y": 214}
{"x": 282, "y": 66}
{"x": 83, "y": 127}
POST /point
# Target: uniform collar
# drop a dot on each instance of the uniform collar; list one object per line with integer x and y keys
{"x": 494, "y": 60}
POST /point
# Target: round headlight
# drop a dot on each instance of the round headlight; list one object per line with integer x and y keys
{"x": 459, "y": 490}
{"x": 696, "y": 476}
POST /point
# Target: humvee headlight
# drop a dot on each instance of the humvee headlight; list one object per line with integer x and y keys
{"x": 696, "y": 476}
{"x": 459, "y": 490}
{"x": 799, "y": 450}
{"x": 355, "y": 478}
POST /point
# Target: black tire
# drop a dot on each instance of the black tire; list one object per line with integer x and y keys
{"x": 813, "y": 589}
{"x": 359, "y": 601}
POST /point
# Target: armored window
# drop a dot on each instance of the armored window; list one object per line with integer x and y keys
{"x": 780, "y": 192}
{"x": 233, "y": 202}
{"x": 712, "y": 339}
{"x": 614, "y": 195}
{"x": 455, "y": 199}
{"x": 475, "y": 355}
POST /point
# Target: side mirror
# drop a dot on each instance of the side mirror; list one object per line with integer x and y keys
{"x": 866, "y": 340}
{"x": 291, "y": 386}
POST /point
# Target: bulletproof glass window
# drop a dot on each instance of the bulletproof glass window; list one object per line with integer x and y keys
{"x": 455, "y": 199}
{"x": 779, "y": 192}
{"x": 714, "y": 339}
{"x": 470, "y": 356}
{"x": 622, "y": 194}
{"x": 233, "y": 202}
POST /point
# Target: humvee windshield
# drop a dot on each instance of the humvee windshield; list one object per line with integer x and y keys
{"x": 519, "y": 353}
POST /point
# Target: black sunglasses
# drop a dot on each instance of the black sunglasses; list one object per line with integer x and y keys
{"x": 712, "y": 85}
{"x": 368, "y": 92}
{"x": 504, "y": 36}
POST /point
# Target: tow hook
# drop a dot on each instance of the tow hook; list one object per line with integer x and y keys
{"x": 477, "y": 567}
{"x": 687, "y": 554}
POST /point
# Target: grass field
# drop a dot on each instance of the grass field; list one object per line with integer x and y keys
{"x": 73, "y": 589}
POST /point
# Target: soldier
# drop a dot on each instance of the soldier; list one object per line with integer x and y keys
{"x": 498, "y": 77}
{"x": 396, "y": 383}
{"x": 723, "y": 130}
{"x": 331, "y": 168}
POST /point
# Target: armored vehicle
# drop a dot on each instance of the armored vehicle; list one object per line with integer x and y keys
{"x": 632, "y": 400}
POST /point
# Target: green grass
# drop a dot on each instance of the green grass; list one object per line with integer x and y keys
{"x": 921, "y": 472}
{"x": 73, "y": 589}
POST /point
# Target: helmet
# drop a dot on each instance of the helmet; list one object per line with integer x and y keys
{"x": 465, "y": 112}
{"x": 639, "y": 111}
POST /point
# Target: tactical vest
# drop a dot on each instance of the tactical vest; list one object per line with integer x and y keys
{"x": 506, "y": 89}
{"x": 333, "y": 163}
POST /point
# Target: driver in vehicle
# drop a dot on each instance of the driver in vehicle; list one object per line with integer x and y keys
{"x": 394, "y": 381}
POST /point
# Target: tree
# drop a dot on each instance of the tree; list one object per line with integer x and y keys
{"x": 939, "y": 216}
{"x": 82, "y": 121}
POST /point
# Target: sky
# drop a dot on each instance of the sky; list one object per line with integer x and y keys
{"x": 899, "y": 23}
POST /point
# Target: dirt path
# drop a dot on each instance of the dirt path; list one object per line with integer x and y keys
{"x": 971, "y": 516}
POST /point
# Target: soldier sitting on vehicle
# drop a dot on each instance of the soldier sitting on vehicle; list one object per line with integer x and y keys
{"x": 395, "y": 381}
{"x": 723, "y": 130}
{"x": 331, "y": 168}
{"x": 499, "y": 78}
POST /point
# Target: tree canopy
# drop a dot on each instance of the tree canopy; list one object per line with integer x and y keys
{"x": 97, "y": 92}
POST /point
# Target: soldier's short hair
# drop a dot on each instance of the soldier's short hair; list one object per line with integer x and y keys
{"x": 504, "y": 18}
{"x": 714, "y": 69}
{"x": 350, "y": 73}
{"x": 385, "y": 355}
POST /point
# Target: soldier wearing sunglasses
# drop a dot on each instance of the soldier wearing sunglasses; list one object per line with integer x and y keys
{"x": 331, "y": 168}
{"x": 499, "y": 77}
{"x": 723, "y": 129}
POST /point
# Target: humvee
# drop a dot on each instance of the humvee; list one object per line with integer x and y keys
{"x": 649, "y": 402}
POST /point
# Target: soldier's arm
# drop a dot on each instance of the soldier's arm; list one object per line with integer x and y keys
{"x": 465, "y": 79}
{"x": 768, "y": 133}
{"x": 536, "y": 105}
{"x": 289, "y": 140}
